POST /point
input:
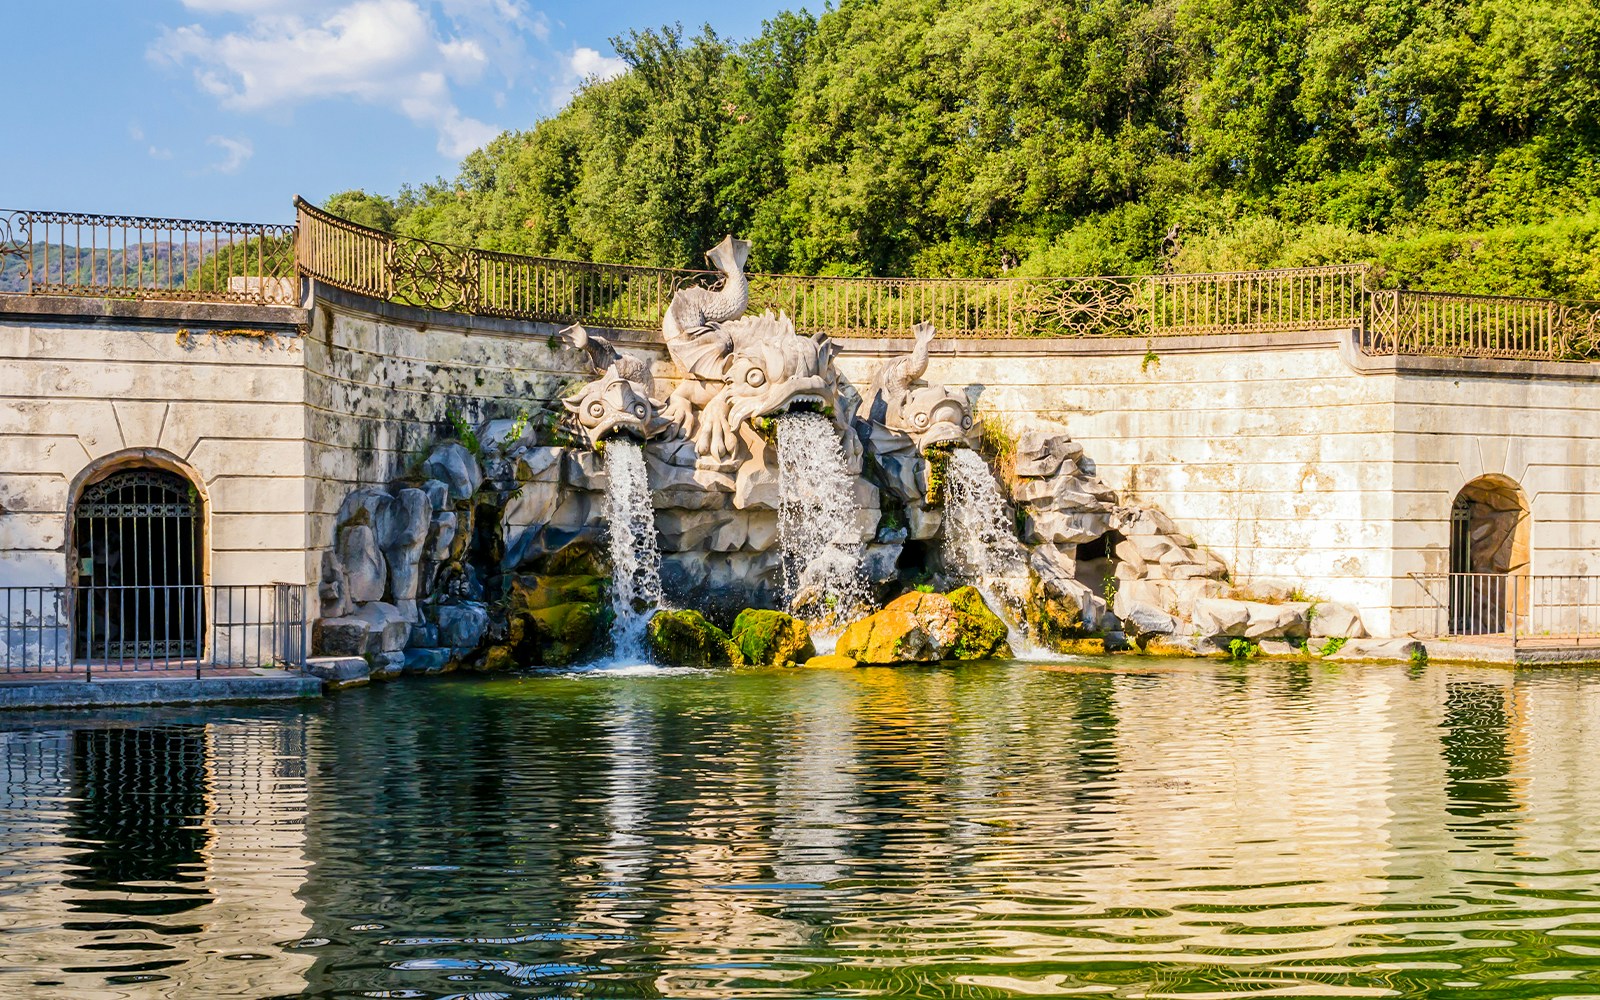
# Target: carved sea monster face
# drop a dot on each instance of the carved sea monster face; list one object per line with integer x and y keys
{"x": 612, "y": 405}
{"x": 775, "y": 374}
{"x": 932, "y": 416}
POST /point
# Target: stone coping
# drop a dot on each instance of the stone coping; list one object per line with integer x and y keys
{"x": 90, "y": 311}
{"x": 78, "y": 693}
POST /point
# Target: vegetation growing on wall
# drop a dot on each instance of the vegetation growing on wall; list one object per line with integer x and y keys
{"x": 1450, "y": 142}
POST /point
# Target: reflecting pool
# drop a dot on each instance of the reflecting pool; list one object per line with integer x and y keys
{"x": 1122, "y": 827}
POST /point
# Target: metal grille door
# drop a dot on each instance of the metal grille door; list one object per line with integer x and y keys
{"x": 139, "y": 550}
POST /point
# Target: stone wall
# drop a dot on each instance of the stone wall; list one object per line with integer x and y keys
{"x": 382, "y": 383}
{"x": 1291, "y": 457}
{"x": 1297, "y": 460}
{"x": 216, "y": 392}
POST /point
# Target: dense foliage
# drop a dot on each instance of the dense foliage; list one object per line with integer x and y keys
{"x": 1452, "y": 142}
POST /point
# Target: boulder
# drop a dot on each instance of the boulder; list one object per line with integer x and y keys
{"x": 426, "y": 661}
{"x": 438, "y": 493}
{"x": 584, "y": 470}
{"x": 388, "y": 666}
{"x": 443, "y": 533}
{"x": 1214, "y": 617}
{"x": 922, "y": 522}
{"x": 531, "y": 593}
{"x": 926, "y": 627}
{"x": 338, "y": 637}
{"x": 1336, "y": 620}
{"x": 462, "y": 625}
{"x": 455, "y": 466}
{"x": 980, "y": 633}
{"x": 889, "y": 636}
{"x": 340, "y": 671}
{"x": 685, "y": 639}
{"x": 1040, "y": 454}
{"x": 387, "y": 627}
{"x": 365, "y": 573}
{"x": 557, "y": 635}
{"x": 1144, "y": 620}
{"x": 771, "y": 638}
{"x": 537, "y": 464}
{"x": 831, "y": 661}
{"x": 402, "y": 529}
{"x": 362, "y": 506}
{"x": 1062, "y": 528}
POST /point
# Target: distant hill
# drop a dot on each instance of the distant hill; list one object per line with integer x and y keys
{"x": 1453, "y": 143}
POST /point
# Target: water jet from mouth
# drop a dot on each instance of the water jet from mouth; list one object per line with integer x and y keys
{"x": 635, "y": 556}
{"x": 818, "y": 524}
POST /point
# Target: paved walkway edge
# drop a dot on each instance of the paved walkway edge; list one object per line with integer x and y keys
{"x": 71, "y": 694}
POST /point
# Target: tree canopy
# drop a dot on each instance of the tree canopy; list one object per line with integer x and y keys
{"x": 1451, "y": 142}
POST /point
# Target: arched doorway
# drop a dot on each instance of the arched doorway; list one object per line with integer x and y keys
{"x": 1489, "y": 533}
{"x": 138, "y": 540}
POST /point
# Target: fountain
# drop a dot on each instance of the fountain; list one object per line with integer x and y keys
{"x": 635, "y": 559}
{"x": 980, "y": 542}
{"x": 818, "y": 521}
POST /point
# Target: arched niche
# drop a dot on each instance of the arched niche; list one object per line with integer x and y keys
{"x": 1490, "y": 554}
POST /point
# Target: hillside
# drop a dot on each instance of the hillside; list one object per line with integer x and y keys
{"x": 1451, "y": 142}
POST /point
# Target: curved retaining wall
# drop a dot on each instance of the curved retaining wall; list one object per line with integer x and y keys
{"x": 1292, "y": 456}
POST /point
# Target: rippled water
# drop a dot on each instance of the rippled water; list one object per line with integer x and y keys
{"x": 1137, "y": 828}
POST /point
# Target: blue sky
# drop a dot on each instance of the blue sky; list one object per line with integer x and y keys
{"x": 225, "y": 109}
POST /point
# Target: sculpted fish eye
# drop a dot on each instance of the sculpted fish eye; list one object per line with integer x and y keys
{"x": 755, "y": 377}
{"x": 966, "y": 422}
{"x": 638, "y": 410}
{"x": 922, "y": 420}
{"x": 597, "y": 409}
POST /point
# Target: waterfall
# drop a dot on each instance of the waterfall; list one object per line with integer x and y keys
{"x": 635, "y": 558}
{"x": 818, "y": 522}
{"x": 980, "y": 540}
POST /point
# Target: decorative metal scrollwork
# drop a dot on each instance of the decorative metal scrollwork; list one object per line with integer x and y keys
{"x": 1082, "y": 307}
{"x": 16, "y": 243}
{"x": 434, "y": 275}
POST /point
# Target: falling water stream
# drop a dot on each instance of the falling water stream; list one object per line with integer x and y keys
{"x": 635, "y": 558}
{"x": 818, "y": 522}
{"x": 980, "y": 542}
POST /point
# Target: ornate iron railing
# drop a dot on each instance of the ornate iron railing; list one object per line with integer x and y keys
{"x": 110, "y": 256}
{"x": 1447, "y": 324}
{"x": 94, "y": 630}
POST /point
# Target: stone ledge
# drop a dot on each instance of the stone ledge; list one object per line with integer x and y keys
{"x": 340, "y": 671}
{"x": 280, "y": 686}
{"x": 146, "y": 312}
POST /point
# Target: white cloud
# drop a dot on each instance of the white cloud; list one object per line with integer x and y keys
{"x": 586, "y": 63}
{"x": 159, "y": 153}
{"x": 387, "y": 53}
{"x": 235, "y": 154}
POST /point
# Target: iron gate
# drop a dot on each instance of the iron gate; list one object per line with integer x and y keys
{"x": 139, "y": 544}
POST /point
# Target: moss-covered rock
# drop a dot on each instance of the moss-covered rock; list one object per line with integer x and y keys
{"x": 558, "y": 635}
{"x": 980, "y": 633}
{"x": 533, "y": 593}
{"x": 686, "y": 639}
{"x": 831, "y": 661}
{"x": 771, "y": 638}
{"x": 499, "y": 659}
{"x": 923, "y": 628}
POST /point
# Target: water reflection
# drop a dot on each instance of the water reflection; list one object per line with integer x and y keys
{"x": 151, "y": 859}
{"x": 1129, "y": 828}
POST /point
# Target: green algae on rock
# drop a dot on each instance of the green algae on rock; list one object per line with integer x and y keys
{"x": 685, "y": 639}
{"x": 772, "y": 638}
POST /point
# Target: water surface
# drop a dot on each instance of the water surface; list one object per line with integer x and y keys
{"x": 1127, "y": 827}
